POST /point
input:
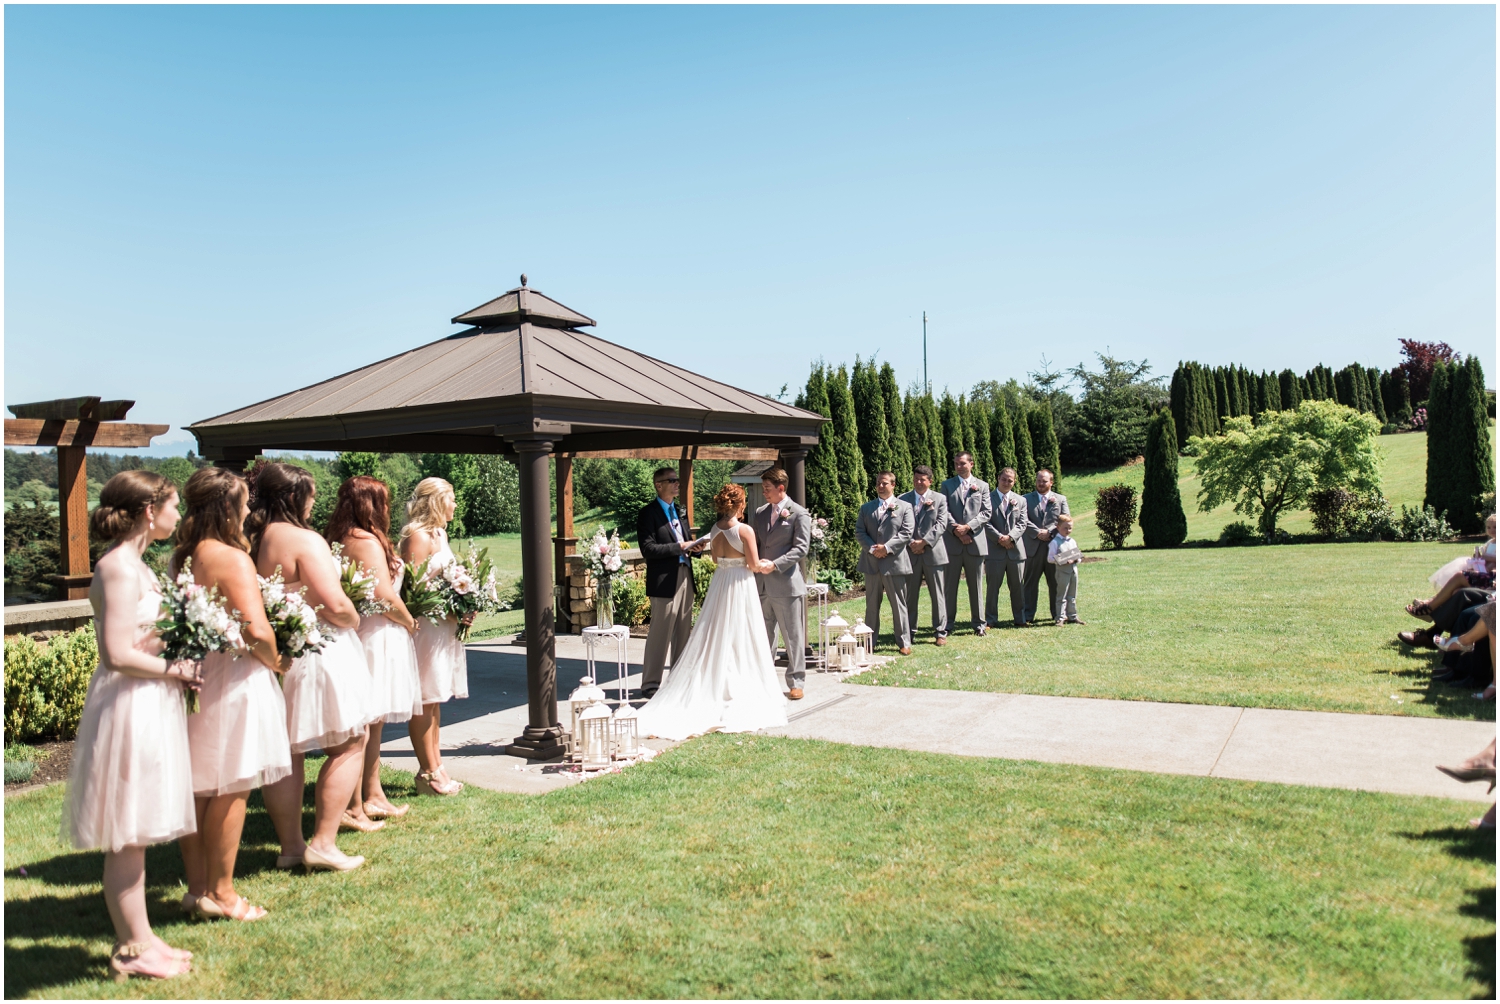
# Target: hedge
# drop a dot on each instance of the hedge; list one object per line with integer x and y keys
{"x": 45, "y": 684}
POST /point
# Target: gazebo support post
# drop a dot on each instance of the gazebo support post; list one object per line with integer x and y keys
{"x": 794, "y": 462}
{"x": 685, "y": 479}
{"x": 541, "y": 738}
{"x": 564, "y": 543}
{"x": 73, "y": 507}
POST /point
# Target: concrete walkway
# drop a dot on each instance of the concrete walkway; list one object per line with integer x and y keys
{"x": 1363, "y": 752}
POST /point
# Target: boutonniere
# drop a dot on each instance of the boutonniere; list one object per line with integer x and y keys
{"x": 927, "y": 503}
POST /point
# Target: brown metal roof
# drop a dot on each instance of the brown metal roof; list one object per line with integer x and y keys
{"x": 508, "y": 379}
{"x": 516, "y": 306}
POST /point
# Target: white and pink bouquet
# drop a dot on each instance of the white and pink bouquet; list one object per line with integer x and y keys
{"x": 823, "y": 537}
{"x": 358, "y": 584}
{"x": 194, "y": 621}
{"x": 294, "y": 620}
{"x": 467, "y": 586}
{"x": 602, "y": 557}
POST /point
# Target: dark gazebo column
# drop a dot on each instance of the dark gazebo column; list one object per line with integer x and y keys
{"x": 541, "y": 739}
{"x": 794, "y": 462}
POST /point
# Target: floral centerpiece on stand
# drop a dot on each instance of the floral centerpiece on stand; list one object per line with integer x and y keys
{"x": 195, "y": 620}
{"x": 358, "y": 584}
{"x": 294, "y": 620}
{"x": 603, "y": 560}
{"x": 824, "y": 536}
{"x": 467, "y": 586}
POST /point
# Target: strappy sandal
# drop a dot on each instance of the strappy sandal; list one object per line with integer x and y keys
{"x": 121, "y": 969}
{"x": 394, "y": 812}
{"x": 209, "y": 909}
{"x": 351, "y": 824}
{"x": 428, "y": 784}
{"x": 1420, "y": 610}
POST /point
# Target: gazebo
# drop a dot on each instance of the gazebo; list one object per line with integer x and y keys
{"x": 526, "y": 382}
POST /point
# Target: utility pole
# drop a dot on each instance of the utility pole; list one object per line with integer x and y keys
{"x": 926, "y": 383}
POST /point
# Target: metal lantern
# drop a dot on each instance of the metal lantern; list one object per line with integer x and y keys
{"x": 595, "y": 739}
{"x": 864, "y": 637}
{"x": 586, "y": 696}
{"x": 832, "y": 629}
{"x": 848, "y": 654}
{"x": 627, "y": 733}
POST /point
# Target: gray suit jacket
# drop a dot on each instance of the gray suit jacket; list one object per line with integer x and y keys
{"x": 971, "y": 508}
{"x": 891, "y": 527}
{"x": 1042, "y": 515}
{"x": 784, "y": 546}
{"x": 1013, "y": 524}
{"x": 930, "y": 522}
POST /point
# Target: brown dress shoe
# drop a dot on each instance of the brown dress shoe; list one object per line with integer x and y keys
{"x": 941, "y": 640}
{"x": 904, "y": 651}
{"x": 794, "y": 694}
{"x": 1418, "y": 639}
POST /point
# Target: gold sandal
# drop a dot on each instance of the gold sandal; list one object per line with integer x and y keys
{"x": 209, "y": 909}
{"x": 350, "y": 824}
{"x": 427, "y": 784}
{"x": 120, "y": 974}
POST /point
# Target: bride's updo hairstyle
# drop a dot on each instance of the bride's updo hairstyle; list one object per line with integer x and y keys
{"x": 363, "y": 503}
{"x": 123, "y": 501}
{"x": 213, "y": 497}
{"x": 279, "y": 493}
{"x": 423, "y": 511}
{"x": 729, "y": 500}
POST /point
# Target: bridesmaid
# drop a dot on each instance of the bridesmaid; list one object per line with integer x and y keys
{"x": 238, "y": 737}
{"x": 359, "y": 519}
{"x": 442, "y": 663}
{"x": 131, "y": 783}
{"x": 328, "y": 692}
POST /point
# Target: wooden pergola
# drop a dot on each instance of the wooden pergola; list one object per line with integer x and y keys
{"x": 525, "y": 382}
{"x": 73, "y": 425}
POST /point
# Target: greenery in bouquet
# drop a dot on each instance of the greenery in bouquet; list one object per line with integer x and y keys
{"x": 420, "y": 595}
{"x": 467, "y": 585}
{"x": 194, "y": 621}
{"x": 824, "y": 536}
{"x": 358, "y": 584}
{"x": 294, "y": 620}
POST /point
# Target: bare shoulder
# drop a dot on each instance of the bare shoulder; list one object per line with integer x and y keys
{"x": 214, "y": 559}
{"x": 114, "y": 566}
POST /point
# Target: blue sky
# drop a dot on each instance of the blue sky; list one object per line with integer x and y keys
{"x": 209, "y": 206}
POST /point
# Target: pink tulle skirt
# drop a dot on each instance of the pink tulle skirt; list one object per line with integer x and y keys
{"x": 328, "y": 694}
{"x": 442, "y": 662}
{"x": 395, "y": 691}
{"x": 238, "y": 737}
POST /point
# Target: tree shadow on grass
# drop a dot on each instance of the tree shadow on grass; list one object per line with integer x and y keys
{"x": 1416, "y": 676}
{"x": 1473, "y": 845}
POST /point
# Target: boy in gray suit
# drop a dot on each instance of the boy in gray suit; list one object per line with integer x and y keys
{"x": 1006, "y": 561}
{"x": 783, "y": 533}
{"x": 929, "y": 555}
{"x": 1043, "y": 506}
{"x": 968, "y": 513}
{"x": 884, "y": 532}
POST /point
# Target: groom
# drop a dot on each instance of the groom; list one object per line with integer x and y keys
{"x": 783, "y": 534}
{"x": 664, "y": 538}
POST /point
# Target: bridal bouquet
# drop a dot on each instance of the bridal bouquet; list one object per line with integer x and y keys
{"x": 294, "y": 620}
{"x": 420, "y": 595}
{"x": 467, "y": 586}
{"x": 603, "y": 560}
{"x": 194, "y": 621}
{"x": 358, "y": 584}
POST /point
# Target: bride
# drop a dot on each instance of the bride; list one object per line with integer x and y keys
{"x": 724, "y": 680}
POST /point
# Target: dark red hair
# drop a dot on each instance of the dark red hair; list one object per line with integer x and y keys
{"x": 364, "y": 503}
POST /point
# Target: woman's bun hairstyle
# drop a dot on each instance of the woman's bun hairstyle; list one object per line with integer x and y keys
{"x": 124, "y": 499}
{"x": 729, "y": 499}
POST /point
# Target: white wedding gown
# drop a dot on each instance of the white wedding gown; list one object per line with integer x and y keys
{"x": 725, "y": 679}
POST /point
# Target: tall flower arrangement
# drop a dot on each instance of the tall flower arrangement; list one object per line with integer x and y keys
{"x": 194, "y": 621}
{"x": 603, "y": 560}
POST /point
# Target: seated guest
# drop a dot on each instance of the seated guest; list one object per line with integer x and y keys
{"x": 1446, "y": 615}
{"x": 1473, "y": 577}
{"x": 1466, "y": 663}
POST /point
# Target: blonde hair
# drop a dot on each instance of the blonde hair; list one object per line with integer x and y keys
{"x": 422, "y": 509}
{"x": 1065, "y": 518}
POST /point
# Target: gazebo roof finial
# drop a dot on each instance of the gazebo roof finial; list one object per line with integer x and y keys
{"x": 523, "y": 278}
{"x": 524, "y": 305}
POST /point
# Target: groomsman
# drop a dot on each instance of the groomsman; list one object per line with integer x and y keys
{"x": 664, "y": 540}
{"x": 1043, "y": 506}
{"x": 1006, "y": 561}
{"x": 968, "y": 513}
{"x": 929, "y": 553}
{"x": 884, "y": 532}
{"x": 783, "y": 533}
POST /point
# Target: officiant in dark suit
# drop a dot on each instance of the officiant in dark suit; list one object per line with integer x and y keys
{"x": 664, "y": 539}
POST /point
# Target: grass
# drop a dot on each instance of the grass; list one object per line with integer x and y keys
{"x": 762, "y": 867}
{"x": 1308, "y": 627}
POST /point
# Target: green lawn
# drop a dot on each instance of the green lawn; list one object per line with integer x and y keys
{"x": 763, "y": 867}
{"x": 1307, "y": 626}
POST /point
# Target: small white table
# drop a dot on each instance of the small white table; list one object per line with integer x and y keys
{"x": 594, "y": 636}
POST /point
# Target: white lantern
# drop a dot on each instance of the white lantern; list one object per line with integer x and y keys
{"x": 833, "y": 628}
{"x": 595, "y": 741}
{"x": 848, "y": 653}
{"x": 627, "y": 733}
{"x": 864, "y": 637}
{"x": 586, "y": 696}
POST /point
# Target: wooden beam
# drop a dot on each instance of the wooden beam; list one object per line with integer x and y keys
{"x": 65, "y": 408}
{"x": 55, "y": 432}
{"x": 685, "y": 484}
{"x": 743, "y": 453}
{"x": 73, "y": 516}
{"x": 564, "y": 543}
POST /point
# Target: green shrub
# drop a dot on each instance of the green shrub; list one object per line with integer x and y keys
{"x": 45, "y": 685}
{"x": 1239, "y": 534}
{"x": 19, "y": 771}
{"x": 632, "y": 605}
{"x": 1114, "y": 513}
{"x": 1330, "y": 508}
{"x": 703, "y": 575}
{"x": 835, "y": 580}
{"x": 1422, "y": 524}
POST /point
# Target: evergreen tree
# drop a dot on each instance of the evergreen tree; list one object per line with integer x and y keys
{"x": 984, "y": 455}
{"x": 1044, "y": 440}
{"x": 1305, "y": 392}
{"x": 1208, "y": 409}
{"x": 953, "y": 429}
{"x": 1272, "y": 400}
{"x": 1373, "y": 395}
{"x": 1177, "y": 402}
{"x": 916, "y": 429}
{"x": 851, "y": 464}
{"x": 937, "y": 445}
{"x": 1472, "y": 459}
{"x": 869, "y": 418}
{"x": 1025, "y": 455}
{"x": 1221, "y": 396}
{"x": 1002, "y": 437}
{"x": 901, "y": 457}
{"x": 1291, "y": 390}
{"x": 1163, "y": 521}
{"x": 825, "y": 496}
{"x": 1439, "y": 461}
{"x": 1397, "y": 393}
{"x": 1238, "y": 399}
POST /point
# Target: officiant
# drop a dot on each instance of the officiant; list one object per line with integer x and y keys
{"x": 666, "y": 542}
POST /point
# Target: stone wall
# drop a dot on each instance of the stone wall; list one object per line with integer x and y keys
{"x": 580, "y": 599}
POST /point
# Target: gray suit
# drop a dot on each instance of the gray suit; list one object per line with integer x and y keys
{"x": 1005, "y": 564}
{"x": 1041, "y": 514}
{"x": 783, "y": 593}
{"x": 930, "y": 516}
{"x": 971, "y": 508}
{"x": 890, "y": 525}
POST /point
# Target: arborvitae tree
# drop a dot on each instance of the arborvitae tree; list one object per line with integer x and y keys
{"x": 869, "y": 416}
{"x": 953, "y": 429}
{"x": 1044, "y": 440}
{"x": 1472, "y": 459}
{"x": 895, "y": 417}
{"x": 937, "y": 441}
{"x": 1002, "y": 437}
{"x": 984, "y": 455}
{"x": 1305, "y": 390}
{"x": 851, "y": 463}
{"x": 1163, "y": 521}
{"x": 966, "y": 427}
{"x": 1241, "y": 403}
{"x": 1221, "y": 396}
{"x": 1272, "y": 399}
{"x": 1373, "y": 395}
{"x": 1291, "y": 390}
{"x": 1397, "y": 395}
{"x": 1025, "y": 455}
{"x": 916, "y": 429}
{"x": 1439, "y": 461}
{"x": 1208, "y": 408}
{"x": 825, "y": 496}
{"x": 1178, "y": 400}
